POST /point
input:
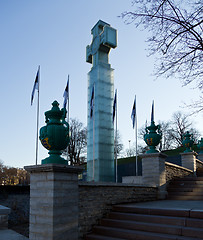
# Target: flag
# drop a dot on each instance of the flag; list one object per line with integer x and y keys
{"x": 36, "y": 86}
{"x": 92, "y": 102}
{"x": 114, "y": 105}
{"x": 152, "y": 114}
{"x": 133, "y": 114}
{"x": 66, "y": 94}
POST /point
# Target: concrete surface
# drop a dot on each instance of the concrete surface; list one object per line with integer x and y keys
{"x": 8, "y": 234}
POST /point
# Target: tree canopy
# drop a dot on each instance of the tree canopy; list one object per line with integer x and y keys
{"x": 175, "y": 28}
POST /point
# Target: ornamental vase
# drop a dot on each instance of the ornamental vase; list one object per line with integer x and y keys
{"x": 152, "y": 138}
{"x": 187, "y": 142}
{"x": 55, "y": 135}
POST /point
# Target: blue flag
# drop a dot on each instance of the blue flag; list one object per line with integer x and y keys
{"x": 66, "y": 94}
{"x": 133, "y": 114}
{"x": 92, "y": 103}
{"x": 114, "y": 105}
{"x": 36, "y": 86}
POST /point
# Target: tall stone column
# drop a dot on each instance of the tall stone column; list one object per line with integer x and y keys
{"x": 53, "y": 202}
{"x": 153, "y": 171}
{"x": 189, "y": 160}
{"x": 100, "y": 136}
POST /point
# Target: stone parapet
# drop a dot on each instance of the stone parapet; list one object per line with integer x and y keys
{"x": 174, "y": 171}
{"x": 96, "y": 200}
{"x": 53, "y": 202}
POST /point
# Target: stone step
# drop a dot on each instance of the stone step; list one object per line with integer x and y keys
{"x": 184, "y": 197}
{"x": 152, "y": 211}
{"x": 142, "y": 226}
{"x": 177, "y": 221}
{"x": 101, "y": 237}
{"x": 183, "y": 182}
{"x": 139, "y": 235}
{"x": 153, "y": 227}
{"x": 182, "y": 193}
{"x": 185, "y": 189}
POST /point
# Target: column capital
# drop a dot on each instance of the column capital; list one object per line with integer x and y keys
{"x": 153, "y": 155}
{"x": 189, "y": 154}
{"x": 53, "y": 167}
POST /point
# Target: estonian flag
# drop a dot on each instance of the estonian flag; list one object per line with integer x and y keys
{"x": 36, "y": 86}
{"x": 92, "y": 103}
{"x": 133, "y": 114}
{"x": 66, "y": 94}
{"x": 114, "y": 105}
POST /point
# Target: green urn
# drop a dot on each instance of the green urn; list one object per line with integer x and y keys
{"x": 187, "y": 142}
{"x": 152, "y": 138}
{"x": 200, "y": 146}
{"x": 55, "y": 135}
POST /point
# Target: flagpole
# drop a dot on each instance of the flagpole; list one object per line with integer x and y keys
{"x": 93, "y": 134}
{"x": 136, "y": 163}
{"x": 116, "y": 138}
{"x": 68, "y": 99}
{"x": 136, "y": 140}
{"x": 37, "y": 138}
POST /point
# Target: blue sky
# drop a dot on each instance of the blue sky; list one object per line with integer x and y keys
{"x": 54, "y": 34}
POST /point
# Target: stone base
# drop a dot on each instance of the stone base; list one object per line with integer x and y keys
{"x": 4, "y": 211}
{"x": 53, "y": 202}
{"x": 189, "y": 160}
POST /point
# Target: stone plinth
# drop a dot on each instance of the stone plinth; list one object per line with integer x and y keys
{"x": 53, "y": 202}
{"x": 4, "y": 211}
{"x": 153, "y": 171}
{"x": 189, "y": 160}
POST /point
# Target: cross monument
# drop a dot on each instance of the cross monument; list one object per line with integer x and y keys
{"x": 100, "y": 136}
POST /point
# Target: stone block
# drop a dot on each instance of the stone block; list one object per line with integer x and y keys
{"x": 54, "y": 202}
{"x": 189, "y": 160}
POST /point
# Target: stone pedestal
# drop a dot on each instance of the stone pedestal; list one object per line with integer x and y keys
{"x": 153, "y": 171}
{"x": 53, "y": 202}
{"x": 189, "y": 160}
{"x": 200, "y": 156}
{"x": 4, "y": 211}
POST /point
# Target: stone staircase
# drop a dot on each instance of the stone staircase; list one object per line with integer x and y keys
{"x": 131, "y": 222}
{"x": 188, "y": 188}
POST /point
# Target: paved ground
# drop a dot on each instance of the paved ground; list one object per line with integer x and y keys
{"x": 9, "y": 234}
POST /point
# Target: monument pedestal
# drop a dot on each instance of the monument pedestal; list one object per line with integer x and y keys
{"x": 153, "y": 172}
{"x": 53, "y": 202}
{"x": 189, "y": 160}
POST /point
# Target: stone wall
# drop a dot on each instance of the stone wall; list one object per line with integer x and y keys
{"x": 96, "y": 200}
{"x": 17, "y": 198}
{"x": 174, "y": 171}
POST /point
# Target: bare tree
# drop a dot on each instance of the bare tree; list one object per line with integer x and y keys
{"x": 176, "y": 28}
{"x": 118, "y": 145}
{"x": 78, "y": 142}
{"x": 179, "y": 124}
